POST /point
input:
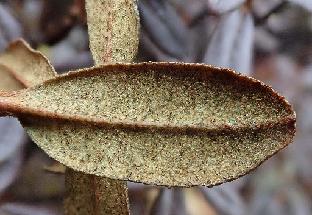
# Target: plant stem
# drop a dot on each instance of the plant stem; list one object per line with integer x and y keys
{"x": 113, "y": 29}
{"x": 93, "y": 195}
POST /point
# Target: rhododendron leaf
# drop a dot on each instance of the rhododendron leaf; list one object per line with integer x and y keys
{"x": 17, "y": 71}
{"x": 27, "y": 66}
{"x": 9, "y": 81}
{"x": 113, "y": 34}
{"x": 170, "y": 124}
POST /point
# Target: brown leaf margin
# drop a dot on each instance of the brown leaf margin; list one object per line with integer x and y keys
{"x": 201, "y": 69}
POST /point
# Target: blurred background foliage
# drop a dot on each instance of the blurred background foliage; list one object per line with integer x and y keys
{"x": 270, "y": 40}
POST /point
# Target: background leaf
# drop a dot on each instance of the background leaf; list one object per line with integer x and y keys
{"x": 231, "y": 44}
{"x": 9, "y": 169}
{"x": 12, "y": 137}
{"x": 225, "y": 200}
{"x": 14, "y": 208}
{"x": 241, "y": 59}
{"x": 221, "y": 45}
{"x": 170, "y": 34}
{"x": 10, "y": 29}
{"x": 223, "y": 6}
{"x": 306, "y": 4}
{"x": 169, "y": 202}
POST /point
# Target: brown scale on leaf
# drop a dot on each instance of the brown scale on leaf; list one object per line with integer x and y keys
{"x": 169, "y": 124}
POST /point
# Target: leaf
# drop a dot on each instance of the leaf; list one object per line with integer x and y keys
{"x": 146, "y": 122}
{"x": 9, "y": 170}
{"x": 162, "y": 204}
{"x": 113, "y": 35}
{"x": 56, "y": 168}
{"x": 14, "y": 76}
{"x": 169, "y": 202}
{"x": 69, "y": 54}
{"x": 306, "y": 4}
{"x": 17, "y": 75}
{"x": 149, "y": 50}
{"x": 276, "y": 192}
{"x": 34, "y": 184}
{"x": 170, "y": 34}
{"x": 243, "y": 47}
{"x": 3, "y": 41}
{"x": 31, "y": 68}
{"x": 10, "y": 29}
{"x": 221, "y": 44}
{"x": 178, "y": 202}
{"x": 225, "y": 200}
{"x": 223, "y": 6}
{"x": 56, "y": 18}
{"x": 14, "y": 208}
{"x": 232, "y": 42}
{"x": 196, "y": 204}
{"x": 9, "y": 80}
{"x": 11, "y": 138}
{"x": 167, "y": 12}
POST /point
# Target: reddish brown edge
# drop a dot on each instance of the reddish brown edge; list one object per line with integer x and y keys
{"x": 203, "y": 71}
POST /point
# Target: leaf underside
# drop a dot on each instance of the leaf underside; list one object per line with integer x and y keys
{"x": 170, "y": 124}
{"x": 9, "y": 81}
{"x": 27, "y": 66}
{"x": 113, "y": 34}
{"x": 15, "y": 75}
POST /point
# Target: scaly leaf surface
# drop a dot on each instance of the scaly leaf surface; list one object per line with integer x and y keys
{"x": 170, "y": 124}
{"x": 113, "y": 34}
{"x": 27, "y": 66}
